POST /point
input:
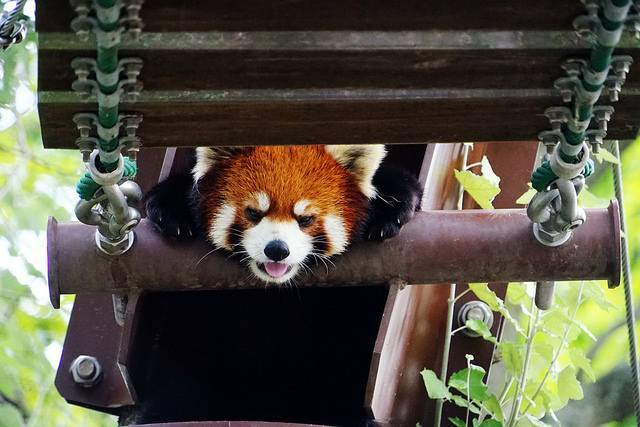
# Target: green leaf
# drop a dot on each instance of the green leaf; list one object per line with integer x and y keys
{"x": 568, "y": 385}
{"x": 526, "y": 197}
{"x": 481, "y": 328}
{"x": 579, "y": 359}
{"x": 457, "y": 422}
{"x": 482, "y": 291}
{"x": 494, "y": 407}
{"x": 530, "y": 421}
{"x": 490, "y": 423}
{"x": 588, "y": 200}
{"x": 512, "y": 355}
{"x": 487, "y": 172}
{"x": 10, "y": 416}
{"x": 464, "y": 403}
{"x": 476, "y": 389}
{"x": 606, "y": 156}
{"x": 480, "y": 188}
{"x": 435, "y": 388}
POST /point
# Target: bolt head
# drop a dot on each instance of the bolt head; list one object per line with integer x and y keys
{"x": 474, "y": 310}
{"x": 86, "y": 371}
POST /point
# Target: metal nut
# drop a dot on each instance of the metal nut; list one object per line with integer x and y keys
{"x": 474, "y": 310}
{"x": 86, "y": 371}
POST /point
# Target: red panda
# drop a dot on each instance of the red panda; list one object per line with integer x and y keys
{"x": 281, "y": 207}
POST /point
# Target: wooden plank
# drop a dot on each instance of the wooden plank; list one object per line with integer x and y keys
{"x": 291, "y": 15}
{"x": 408, "y": 60}
{"x": 331, "y": 116}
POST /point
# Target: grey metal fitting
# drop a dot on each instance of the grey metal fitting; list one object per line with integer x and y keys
{"x": 474, "y": 310}
{"x": 602, "y": 115}
{"x": 109, "y": 208}
{"x": 620, "y": 65}
{"x": 574, "y": 67}
{"x": 567, "y": 86}
{"x": 551, "y": 138}
{"x": 555, "y": 213}
{"x": 595, "y": 138}
{"x": 587, "y": 26}
{"x": 632, "y": 24}
{"x": 544, "y": 294}
{"x": 613, "y": 86}
{"x": 557, "y": 116}
{"x": 86, "y": 371}
{"x": 592, "y": 6}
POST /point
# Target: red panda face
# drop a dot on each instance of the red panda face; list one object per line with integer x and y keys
{"x": 281, "y": 208}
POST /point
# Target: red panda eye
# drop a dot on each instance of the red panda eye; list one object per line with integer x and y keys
{"x": 253, "y": 215}
{"x": 305, "y": 221}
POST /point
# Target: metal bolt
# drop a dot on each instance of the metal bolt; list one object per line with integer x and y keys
{"x": 557, "y": 116}
{"x": 632, "y": 24}
{"x": 86, "y": 371}
{"x": 586, "y": 26}
{"x": 574, "y": 67}
{"x": 566, "y": 86}
{"x": 620, "y": 64}
{"x": 613, "y": 84}
{"x": 595, "y": 138}
{"x": 602, "y": 115}
{"x": 592, "y": 7}
{"x": 474, "y": 310}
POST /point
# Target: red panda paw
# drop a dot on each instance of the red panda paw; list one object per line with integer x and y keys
{"x": 168, "y": 207}
{"x": 398, "y": 198}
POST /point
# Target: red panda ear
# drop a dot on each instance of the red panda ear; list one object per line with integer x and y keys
{"x": 207, "y": 157}
{"x": 362, "y": 161}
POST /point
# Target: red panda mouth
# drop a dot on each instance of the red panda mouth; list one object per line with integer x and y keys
{"x": 275, "y": 269}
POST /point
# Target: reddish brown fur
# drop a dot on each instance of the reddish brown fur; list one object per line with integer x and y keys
{"x": 286, "y": 174}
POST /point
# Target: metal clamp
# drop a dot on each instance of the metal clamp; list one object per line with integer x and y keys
{"x": 109, "y": 208}
{"x": 555, "y": 213}
{"x": 89, "y": 129}
{"x": 602, "y": 115}
{"x": 595, "y": 138}
{"x": 88, "y": 79}
{"x": 84, "y": 24}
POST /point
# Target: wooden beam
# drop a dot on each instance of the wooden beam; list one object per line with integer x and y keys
{"x": 360, "y": 15}
{"x": 330, "y": 116}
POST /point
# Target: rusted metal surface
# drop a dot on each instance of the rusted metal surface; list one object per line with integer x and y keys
{"x": 462, "y": 246}
{"x": 93, "y": 331}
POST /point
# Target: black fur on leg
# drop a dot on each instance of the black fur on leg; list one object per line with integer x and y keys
{"x": 398, "y": 198}
{"x": 170, "y": 206}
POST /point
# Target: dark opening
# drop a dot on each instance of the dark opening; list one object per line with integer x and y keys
{"x": 288, "y": 355}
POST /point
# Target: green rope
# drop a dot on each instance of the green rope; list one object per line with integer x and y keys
{"x": 87, "y": 187}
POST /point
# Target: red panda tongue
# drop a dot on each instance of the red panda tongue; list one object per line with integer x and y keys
{"x": 275, "y": 269}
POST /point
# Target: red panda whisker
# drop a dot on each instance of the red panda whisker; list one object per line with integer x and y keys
{"x": 204, "y": 256}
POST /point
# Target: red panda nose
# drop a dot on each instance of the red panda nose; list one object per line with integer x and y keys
{"x": 276, "y": 250}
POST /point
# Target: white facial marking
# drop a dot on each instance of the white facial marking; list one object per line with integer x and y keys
{"x": 263, "y": 201}
{"x": 204, "y": 162}
{"x": 256, "y": 238}
{"x": 336, "y": 232}
{"x": 222, "y": 221}
{"x": 300, "y": 207}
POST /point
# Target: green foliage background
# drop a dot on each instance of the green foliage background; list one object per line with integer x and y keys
{"x": 35, "y": 184}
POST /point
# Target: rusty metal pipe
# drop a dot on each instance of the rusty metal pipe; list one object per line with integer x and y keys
{"x": 436, "y": 247}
